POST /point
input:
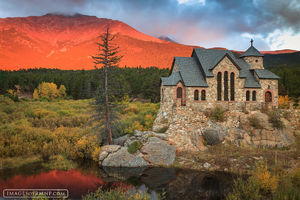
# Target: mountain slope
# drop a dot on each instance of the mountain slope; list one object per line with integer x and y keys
{"x": 282, "y": 60}
{"x": 67, "y": 42}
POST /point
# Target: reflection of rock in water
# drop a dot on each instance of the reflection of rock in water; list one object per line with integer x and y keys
{"x": 155, "y": 178}
{"x": 199, "y": 185}
{"x": 179, "y": 184}
{"x": 110, "y": 174}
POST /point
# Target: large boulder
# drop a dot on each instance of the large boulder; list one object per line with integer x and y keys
{"x": 122, "y": 158}
{"x": 158, "y": 152}
{"x": 106, "y": 150}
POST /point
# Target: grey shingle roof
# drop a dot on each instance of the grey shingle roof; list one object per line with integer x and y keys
{"x": 190, "y": 72}
{"x": 208, "y": 59}
{"x": 251, "y": 51}
{"x": 265, "y": 74}
{"x": 250, "y": 81}
{"x": 173, "y": 79}
{"x": 195, "y": 69}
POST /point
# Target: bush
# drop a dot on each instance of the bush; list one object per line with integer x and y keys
{"x": 245, "y": 189}
{"x": 45, "y": 99}
{"x": 287, "y": 190}
{"x": 254, "y": 122}
{"x": 211, "y": 137}
{"x": 218, "y": 114}
{"x": 267, "y": 182}
{"x": 131, "y": 108}
{"x": 163, "y": 129}
{"x": 13, "y": 97}
{"x": 133, "y": 147}
{"x": 275, "y": 120}
{"x": 8, "y": 110}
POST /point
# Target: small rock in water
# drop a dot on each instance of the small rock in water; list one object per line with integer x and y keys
{"x": 206, "y": 165}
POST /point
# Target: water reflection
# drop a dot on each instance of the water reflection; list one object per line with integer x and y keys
{"x": 177, "y": 183}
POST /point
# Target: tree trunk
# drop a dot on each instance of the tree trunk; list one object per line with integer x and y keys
{"x": 107, "y": 112}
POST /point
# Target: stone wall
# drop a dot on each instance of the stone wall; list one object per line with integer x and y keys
{"x": 269, "y": 85}
{"x": 255, "y": 62}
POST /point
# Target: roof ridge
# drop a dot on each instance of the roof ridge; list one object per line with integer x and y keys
{"x": 251, "y": 51}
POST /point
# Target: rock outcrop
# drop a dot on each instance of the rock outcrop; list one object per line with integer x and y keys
{"x": 155, "y": 151}
{"x": 122, "y": 158}
{"x": 189, "y": 130}
{"x": 158, "y": 152}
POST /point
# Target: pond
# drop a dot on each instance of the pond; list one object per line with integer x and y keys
{"x": 177, "y": 183}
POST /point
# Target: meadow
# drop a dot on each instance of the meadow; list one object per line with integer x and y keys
{"x": 59, "y": 131}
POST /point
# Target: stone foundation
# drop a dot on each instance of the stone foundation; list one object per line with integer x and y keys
{"x": 187, "y": 126}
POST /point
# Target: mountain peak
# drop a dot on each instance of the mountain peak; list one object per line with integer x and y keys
{"x": 67, "y": 15}
{"x": 166, "y": 38}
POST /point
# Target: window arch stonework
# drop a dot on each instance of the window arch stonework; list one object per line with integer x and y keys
{"x": 196, "y": 95}
{"x": 179, "y": 92}
{"x": 247, "y": 95}
{"x": 232, "y": 89}
{"x": 226, "y": 86}
{"x": 254, "y": 95}
{"x": 203, "y": 95}
{"x": 219, "y": 86}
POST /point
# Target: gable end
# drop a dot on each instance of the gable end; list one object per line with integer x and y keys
{"x": 229, "y": 57}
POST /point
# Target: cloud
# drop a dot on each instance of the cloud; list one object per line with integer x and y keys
{"x": 191, "y": 1}
{"x": 198, "y": 22}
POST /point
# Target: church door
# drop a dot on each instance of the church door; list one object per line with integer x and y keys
{"x": 268, "y": 97}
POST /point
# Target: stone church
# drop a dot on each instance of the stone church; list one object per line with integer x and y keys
{"x": 212, "y": 77}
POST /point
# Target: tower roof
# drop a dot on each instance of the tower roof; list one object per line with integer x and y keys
{"x": 252, "y": 51}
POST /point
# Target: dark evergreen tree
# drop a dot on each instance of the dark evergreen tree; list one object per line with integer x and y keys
{"x": 107, "y": 107}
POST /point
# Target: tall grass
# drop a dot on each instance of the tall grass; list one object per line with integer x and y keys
{"x": 60, "y": 127}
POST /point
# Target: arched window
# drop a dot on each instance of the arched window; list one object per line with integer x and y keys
{"x": 219, "y": 86}
{"x": 248, "y": 96}
{"x": 179, "y": 92}
{"x": 268, "y": 97}
{"x": 226, "y": 86}
{"x": 196, "y": 95}
{"x": 254, "y": 96}
{"x": 232, "y": 86}
{"x": 203, "y": 95}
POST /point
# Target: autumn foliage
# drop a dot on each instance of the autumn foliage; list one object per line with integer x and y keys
{"x": 49, "y": 91}
{"x": 283, "y": 101}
